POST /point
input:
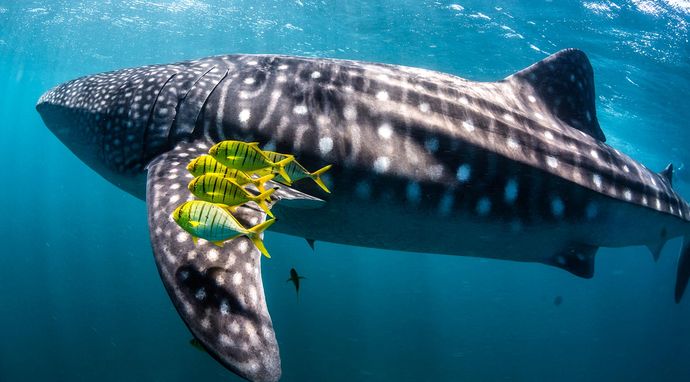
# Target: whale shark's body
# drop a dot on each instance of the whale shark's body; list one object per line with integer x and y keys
{"x": 422, "y": 161}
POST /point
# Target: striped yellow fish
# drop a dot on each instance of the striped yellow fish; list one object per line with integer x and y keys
{"x": 213, "y": 223}
{"x": 248, "y": 157}
{"x": 295, "y": 170}
{"x": 205, "y": 164}
{"x": 215, "y": 188}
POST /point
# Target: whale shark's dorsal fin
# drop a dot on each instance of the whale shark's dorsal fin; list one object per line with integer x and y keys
{"x": 564, "y": 82}
{"x": 218, "y": 292}
{"x": 667, "y": 174}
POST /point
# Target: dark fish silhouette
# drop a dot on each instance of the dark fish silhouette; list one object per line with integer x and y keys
{"x": 197, "y": 345}
{"x": 295, "y": 278}
{"x": 558, "y": 300}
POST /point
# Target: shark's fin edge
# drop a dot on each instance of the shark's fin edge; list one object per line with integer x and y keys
{"x": 577, "y": 259}
{"x": 656, "y": 249}
{"x": 564, "y": 82}
{"x": 218, "y": 291}
{"x": 683, "y": 274}
{"x": 667, "y": 174}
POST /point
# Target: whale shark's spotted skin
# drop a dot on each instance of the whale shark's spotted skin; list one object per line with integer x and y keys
{"x": 423, "y": 161}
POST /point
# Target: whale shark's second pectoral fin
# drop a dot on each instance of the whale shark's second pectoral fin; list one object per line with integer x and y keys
{"x": 217, "y": 291}
{"x": 577, "y": 259}
{"x": 564, "y": 83}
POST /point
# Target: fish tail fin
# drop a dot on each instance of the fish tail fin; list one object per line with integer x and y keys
{"x": 316, "y": 176}
{"x": 280, "y": 166}
{"x": 261, "y": 201}
{"x": 259, "y": 182}
{"x": 255, "y": 236}
{"x": 683, "y": 274}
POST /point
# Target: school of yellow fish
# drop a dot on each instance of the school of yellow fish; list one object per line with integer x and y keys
{"x": 220, "y": 181}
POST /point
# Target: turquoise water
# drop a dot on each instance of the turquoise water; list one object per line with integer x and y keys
{"x": 80, "y": 297}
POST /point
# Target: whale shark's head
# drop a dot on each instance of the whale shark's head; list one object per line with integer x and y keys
{"x": 97, "y": 118}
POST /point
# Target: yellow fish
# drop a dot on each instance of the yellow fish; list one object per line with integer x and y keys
{"x": 205, "y": 164}
{"x": 213, "y": 223}
{"x": 215, "y": 188}
{"x": 296, "y": 171}
{"x": 248, "y": 157}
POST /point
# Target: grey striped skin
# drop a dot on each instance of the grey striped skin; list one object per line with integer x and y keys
{"x": 422, "y": 161}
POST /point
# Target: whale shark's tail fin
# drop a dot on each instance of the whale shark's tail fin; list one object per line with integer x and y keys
{"x": 218, "y": 292}
{"x": 683, "y": 269}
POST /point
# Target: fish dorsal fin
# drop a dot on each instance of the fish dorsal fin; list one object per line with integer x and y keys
{"x": 667, "y": 174}
{"x": 564, "y": 83}
{"x": 218, "y": 291}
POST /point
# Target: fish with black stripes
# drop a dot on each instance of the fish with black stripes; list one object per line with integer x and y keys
{"x": 217, "y": 225}
{"x": 296, "y": 171}
{"x": 205, "y": 164}
{"x": 217, "y": 189}
{"x": 248, "y": 157}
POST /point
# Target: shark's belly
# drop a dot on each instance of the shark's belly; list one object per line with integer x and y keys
{"x": 387, "y": 225}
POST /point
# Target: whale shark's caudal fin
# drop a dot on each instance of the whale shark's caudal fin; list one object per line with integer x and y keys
{"x": 683, "y": 269}
{"x": 564, "y": 82}
{"x": 218, "y": 292}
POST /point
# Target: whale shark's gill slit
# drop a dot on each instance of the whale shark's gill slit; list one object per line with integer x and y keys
{"x": 150, "y": 148}
{"x": 198, "y": 129}
{"x": 197, "y": 103}
{"x": 180, "y": 123}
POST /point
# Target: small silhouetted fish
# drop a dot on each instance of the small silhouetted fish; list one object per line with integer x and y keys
{"x": 295, "y": 278}
{"x": 558, "y": 300}
{"x": 197, "y": 345}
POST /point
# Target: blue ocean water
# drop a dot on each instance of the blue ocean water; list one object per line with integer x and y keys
{"x": 80, "y": 297}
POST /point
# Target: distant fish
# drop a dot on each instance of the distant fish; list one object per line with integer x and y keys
{"x": 248, "y": 157}
{"x": 295, "y": 278}
{"x": 297, "y": 171}
{"x": 205, "y": 164}
{"x": 213, "y": 223}
{"x": 196, "y": 344}
{"x": 558, "y": 300}
{"x": 217, "y": 189}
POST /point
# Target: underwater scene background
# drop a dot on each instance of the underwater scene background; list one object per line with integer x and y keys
{"x": 80, "y": 297}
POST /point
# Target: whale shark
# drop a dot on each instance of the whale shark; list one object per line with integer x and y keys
{"x": 516, "y": 169}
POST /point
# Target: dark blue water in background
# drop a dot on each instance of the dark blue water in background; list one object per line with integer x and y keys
{"x": 80, "y": 297}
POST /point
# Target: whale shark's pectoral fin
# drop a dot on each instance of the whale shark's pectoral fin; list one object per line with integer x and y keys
{"x": 577, "y": 259}
{"x": 564, "y": 83}
{"x": 218, "y": 292}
